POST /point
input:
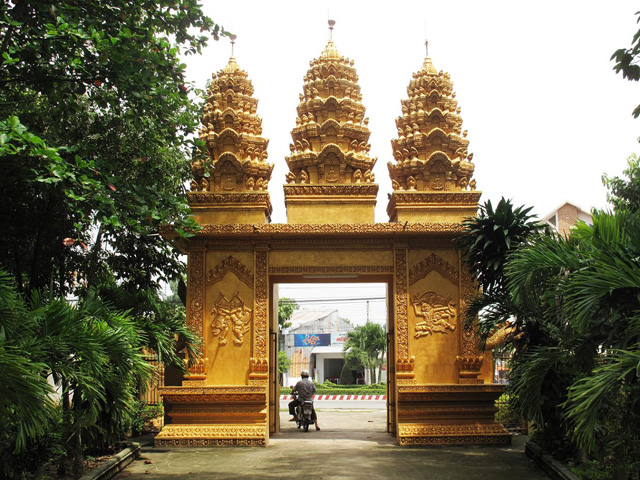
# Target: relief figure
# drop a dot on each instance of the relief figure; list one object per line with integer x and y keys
{"x": 439, "y": 314}
{"x": 230, "y": 315}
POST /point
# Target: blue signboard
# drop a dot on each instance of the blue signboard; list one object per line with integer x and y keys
{"x": 312, "y": 339}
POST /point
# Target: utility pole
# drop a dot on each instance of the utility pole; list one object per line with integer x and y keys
{"x": 367, "y": 311}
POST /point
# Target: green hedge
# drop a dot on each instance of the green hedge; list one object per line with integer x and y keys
{"x": 328, "y": 388}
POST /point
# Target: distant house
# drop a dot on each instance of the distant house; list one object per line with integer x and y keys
{"x": 314, "y": 342}
{"x": 563, "y": 218}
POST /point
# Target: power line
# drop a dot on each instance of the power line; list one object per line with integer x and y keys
{"x": 330, "y": 300}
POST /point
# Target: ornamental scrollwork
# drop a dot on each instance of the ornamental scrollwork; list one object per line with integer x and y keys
{"x": 230, "y": 264}
{"x": 431, "y": 263}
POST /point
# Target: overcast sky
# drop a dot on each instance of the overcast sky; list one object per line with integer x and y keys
{"x": 546, "y": 114}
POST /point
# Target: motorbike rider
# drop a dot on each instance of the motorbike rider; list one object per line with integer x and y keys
{"x": 305, "y": 389}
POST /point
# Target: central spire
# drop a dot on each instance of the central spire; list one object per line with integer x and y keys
{"x": 330, "y": 178}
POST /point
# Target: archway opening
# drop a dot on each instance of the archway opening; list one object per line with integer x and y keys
{"x": 341, "y": 332}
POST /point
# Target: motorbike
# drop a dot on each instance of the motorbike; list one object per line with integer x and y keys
{"x": 304, "y": 414}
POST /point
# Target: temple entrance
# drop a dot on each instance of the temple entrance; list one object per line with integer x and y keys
{"x": 323, "y": 324}
{"x": 440, "y": 386}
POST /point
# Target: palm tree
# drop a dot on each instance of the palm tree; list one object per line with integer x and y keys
{"x": 592, "y": 283}
{"x": 24, "y": 391}
{"x": 366, "y": 344}
{"x": 486, "y": 244}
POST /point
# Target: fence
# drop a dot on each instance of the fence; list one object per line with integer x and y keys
{"x": 150, "y": 395}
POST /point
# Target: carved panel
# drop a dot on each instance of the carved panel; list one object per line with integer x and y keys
{"x": 490, "y": 439}
{"x": 217, "y": 198}
{"x": 438, "y": 312}
{"x": 468, "y": 345}
{"x": 431, "y": 263}
{"x": 230, "y": 315}
{"x": 430, "y": 430}
{"x": 261, "y": 316}
{"x": 323, "y": 229}
{"x": 353, "y": 190}
{"x": 210, "y": 442}
{"x": 230, "y": 264}
{"x": 331, "y": 269}
{"x": 196, "y": 280}
{"x": 401, "y": 294}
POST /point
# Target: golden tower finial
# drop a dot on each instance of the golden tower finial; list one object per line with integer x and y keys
{"x": 426, "y": 45}
{"x": 232, "y": 37}
{"x": 331, "y": 25}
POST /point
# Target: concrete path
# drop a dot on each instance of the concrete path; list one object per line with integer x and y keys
{"x": 351, "y": 445}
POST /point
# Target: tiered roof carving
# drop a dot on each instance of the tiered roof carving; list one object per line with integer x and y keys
{"x": 331, "y": 137}
{"x": 237, "y": 152}
{"x": 431, "y": 151}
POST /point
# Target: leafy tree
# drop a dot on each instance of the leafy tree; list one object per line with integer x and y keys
{"x": 286, "y": 307}
{"x": 590, "y": 284}
{"x": 624, "y": 193}
{"x": 283, "y": 362}
{"x": 530, "y": 322}
{"x": 92, "y": 354}
{"x": 346, "y": 377}
{"x": 95, "y": 137}
{"x": 162, "y": 322}
{"x": 626, "y": 61}
{"x": 366, "y": 345}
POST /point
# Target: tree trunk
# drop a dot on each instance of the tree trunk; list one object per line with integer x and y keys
{"x": 76, "y": 440}
{"x": 66, "y": 418}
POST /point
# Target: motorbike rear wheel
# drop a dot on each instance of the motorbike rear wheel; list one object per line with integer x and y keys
{"x": 305, "y": 423}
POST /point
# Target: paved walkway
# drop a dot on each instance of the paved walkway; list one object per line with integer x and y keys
{"x": 351, "y": 445}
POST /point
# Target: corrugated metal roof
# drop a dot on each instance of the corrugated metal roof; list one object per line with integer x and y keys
{"x": 300, "y": 317}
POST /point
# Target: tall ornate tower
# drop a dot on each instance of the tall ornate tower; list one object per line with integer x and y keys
{"x": 432, "y": 173}
{"x": 230, "y": 186}
{"x": 330, "y": 178}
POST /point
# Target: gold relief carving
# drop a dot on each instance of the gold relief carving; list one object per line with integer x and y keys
{"x": 212, "y": 431}
{"x": 436, "y": 310}
{"x": 217, "y": 198}
{"x": 459, "y": 198}
{"x": 196, "y": 375}
{"x": 467, "y": 289}
{"x": 196, "y": 280}
{"x": 230, "y": 314}
{"x": 432, "y": 411}
{"x": 402, "y": 317}
{"x": 417, "y": 430}
{"x": 501, "y": 336}
{"x": 471, "y": 381}
{"x": 260, "y": 365}
{"x": 230, "y": 264}
{"x": 210, "y": 414}
{"x": 211, "y": 390}
{"x": 198, "y": 367}
{"x": 431, "y": 263}
{"x": 405, "y": 378}
{"x": 351, "y": 190}
{"x": 193, "y": 383}
{"x": 213, "y": 398}
{"x": 331, "y": 269}
{"x": 452, "y": 388}
{"x": 210, "y": 442}
{"x": 493, "y": 439}
{"x": 469, "y": 363}
{"x": 261, "y": 296}
{"x": 405, "y": 364}
{"x": 469, "y": 369}
{"x": 322, "y": 229}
